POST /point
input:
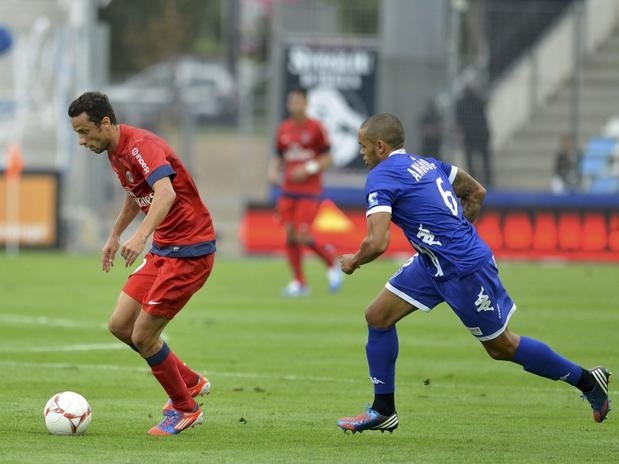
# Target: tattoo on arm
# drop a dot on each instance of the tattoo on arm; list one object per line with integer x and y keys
{"x": 471, "y": 194}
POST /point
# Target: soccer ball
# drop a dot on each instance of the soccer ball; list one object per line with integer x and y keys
{"x": 67, "y": 413}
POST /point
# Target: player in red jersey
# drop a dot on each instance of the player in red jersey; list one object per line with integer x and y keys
{"x": 303, "y": 150}
{"x": 179, "y": 262}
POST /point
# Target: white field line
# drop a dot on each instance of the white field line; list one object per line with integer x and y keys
{"x": 49, "y": 365}
{"x": 14, "y": 319}
{"x": 112, "y": 367}
{"x": 66, "y": 348}
{"x": 17, "y": 319}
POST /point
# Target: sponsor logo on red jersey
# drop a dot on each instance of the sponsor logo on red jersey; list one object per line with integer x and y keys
{"x": 135, "y": 152}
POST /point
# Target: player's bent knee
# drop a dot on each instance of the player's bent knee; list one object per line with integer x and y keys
{"x": 503, "y": 347}
{"x": 498, "y": 355}
{"x": 386, "y": 310}
{"x": 147, "y": 343}
{"x": 378, "y": 319}
{"x": 119, "y": 331}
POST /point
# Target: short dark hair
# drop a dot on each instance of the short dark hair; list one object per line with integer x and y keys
{"x": 95, "y": 104}
{"x": 299, "y": 90}
{"x": 385, "y": 127}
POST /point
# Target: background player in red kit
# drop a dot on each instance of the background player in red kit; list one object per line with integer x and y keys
{"x": 179, "y": 262}
{"x": 303, "y": 150}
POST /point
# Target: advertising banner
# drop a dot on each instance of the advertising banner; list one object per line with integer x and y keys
{"x": 29, "y": 213}
{"x": 340, "y": 79}
{"x": 513, "y": 232}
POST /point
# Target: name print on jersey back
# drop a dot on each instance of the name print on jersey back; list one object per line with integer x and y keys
{"x": 420, "y": 167}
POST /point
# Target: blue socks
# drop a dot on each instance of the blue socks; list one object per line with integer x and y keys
{"x": 534, "y": 356}
{"x": 382, "y": 352}
{"x": 538, "y": 358}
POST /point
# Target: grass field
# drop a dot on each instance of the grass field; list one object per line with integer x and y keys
{"x": 283, "y": 371}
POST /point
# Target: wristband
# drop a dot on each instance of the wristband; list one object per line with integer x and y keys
{"x": 311, "y": 167}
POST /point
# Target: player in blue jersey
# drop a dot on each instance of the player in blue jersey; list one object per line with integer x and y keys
{"x": 435, "y": 204}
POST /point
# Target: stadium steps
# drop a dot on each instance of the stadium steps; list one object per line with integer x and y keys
{"x": 527, "y": 160}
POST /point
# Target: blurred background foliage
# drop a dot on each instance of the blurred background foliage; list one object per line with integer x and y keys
{"x": 143, "y": 32}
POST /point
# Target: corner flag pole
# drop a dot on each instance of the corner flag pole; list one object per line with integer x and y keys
{"x": 14, "y": 168}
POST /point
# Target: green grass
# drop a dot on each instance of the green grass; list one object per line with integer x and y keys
{"x": 283, "y": 371}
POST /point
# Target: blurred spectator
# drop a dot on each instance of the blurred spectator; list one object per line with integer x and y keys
{"x": 567, "y": 175}
{"x": 473, "y": 126}
{"x": 431, "y": 130}
{"x": 303, "y": 151}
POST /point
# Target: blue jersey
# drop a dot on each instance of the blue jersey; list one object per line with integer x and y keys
{"x": 417, "y": 192}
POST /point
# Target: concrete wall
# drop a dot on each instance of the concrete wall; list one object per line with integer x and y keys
{"x": 537, "y": 76}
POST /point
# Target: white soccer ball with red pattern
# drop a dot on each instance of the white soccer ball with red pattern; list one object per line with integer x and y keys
{"x": 67, "y": 413}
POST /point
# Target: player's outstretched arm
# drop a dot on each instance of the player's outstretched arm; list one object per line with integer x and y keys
{"x": 373, "y": 245}
{"x": 470, "y": 192}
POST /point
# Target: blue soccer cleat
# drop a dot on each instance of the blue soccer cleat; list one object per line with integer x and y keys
{"x": 369, "y": 420}
{"x": 174, "y": 422}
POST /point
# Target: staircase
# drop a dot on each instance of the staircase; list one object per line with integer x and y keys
{"x": 527, "y": 161}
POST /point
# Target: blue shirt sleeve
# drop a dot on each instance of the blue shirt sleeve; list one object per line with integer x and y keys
{"x": 449, "y": 170}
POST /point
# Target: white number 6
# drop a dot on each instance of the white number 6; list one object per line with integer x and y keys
{"x": 448, "y": 197}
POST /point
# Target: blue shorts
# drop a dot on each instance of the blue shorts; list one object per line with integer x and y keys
{"x": 478, "y": 299}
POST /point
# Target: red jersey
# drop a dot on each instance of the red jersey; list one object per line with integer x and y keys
{"x": 140, "y": 160}
{"x": 296, "y": 144}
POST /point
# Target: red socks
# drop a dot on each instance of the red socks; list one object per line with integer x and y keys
{"x": 165, "y": 366}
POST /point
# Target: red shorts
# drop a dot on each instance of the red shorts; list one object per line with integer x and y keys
{"x": 164, "y": 285}
{"x": 300, "y": 212}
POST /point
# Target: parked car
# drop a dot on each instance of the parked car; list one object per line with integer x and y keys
{"x": 205, "y": 90}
